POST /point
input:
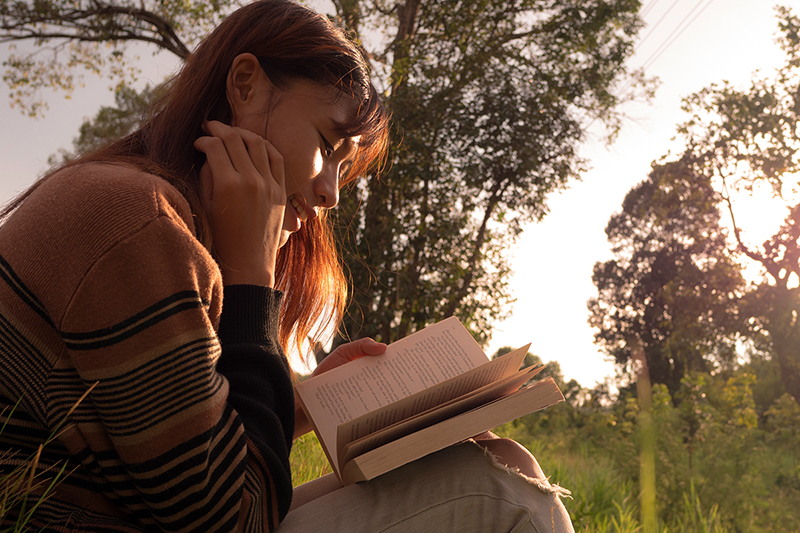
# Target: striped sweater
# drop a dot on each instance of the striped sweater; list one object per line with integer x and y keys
{"x": 189, "y": 425}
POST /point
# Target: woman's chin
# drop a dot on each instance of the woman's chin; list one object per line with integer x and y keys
{"x": 285, "y": 234}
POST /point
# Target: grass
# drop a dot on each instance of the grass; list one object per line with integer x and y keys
{"x": 308, "y": 460}
{"x": 18, "y": 486}
{"x": 600, "y": 465}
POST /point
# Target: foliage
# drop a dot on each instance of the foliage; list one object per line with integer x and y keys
{"x": 735, "y": 474}
{"x": 768, "y": 386}
{"x": 743, "y": 137}
{"x": 91, "y": 35}
{"x": 308, "y": 460}
{"x": 731, "y": 476}
{"x": 672, "y": 284}
{"x": 783, "y": 421}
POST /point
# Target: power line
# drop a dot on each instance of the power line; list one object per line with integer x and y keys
{"x": 648, "y": 8}
{"x": 666, "y": 43}
{"x": 677, "y": 32}
{"x": 653, "y": 28}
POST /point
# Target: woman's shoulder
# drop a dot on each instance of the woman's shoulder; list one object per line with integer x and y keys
{"x": 102, "y": 219}
{"x": 117, "y": 191}
{"x": 92, "y": 206}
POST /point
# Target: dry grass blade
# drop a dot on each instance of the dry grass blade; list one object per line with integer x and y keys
{"x": 27, "y": 480}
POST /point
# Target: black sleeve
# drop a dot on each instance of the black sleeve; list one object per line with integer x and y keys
{"x": 258, "y": 372}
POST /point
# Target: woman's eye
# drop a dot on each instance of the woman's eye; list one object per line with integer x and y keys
{"x": 327, "y": 147}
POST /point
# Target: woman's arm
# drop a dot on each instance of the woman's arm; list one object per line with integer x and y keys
{"x": 104, "y": 281}
{"x": 251, "y": 357}
{"x": 185, "y": 430}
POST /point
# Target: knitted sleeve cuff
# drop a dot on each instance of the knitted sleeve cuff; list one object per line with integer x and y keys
{"x": 250, "y": 315}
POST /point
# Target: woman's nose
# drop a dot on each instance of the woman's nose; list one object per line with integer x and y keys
{"x": 326, "y": 186}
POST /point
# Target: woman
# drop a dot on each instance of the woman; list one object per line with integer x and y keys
{"x": 114, "y": 273}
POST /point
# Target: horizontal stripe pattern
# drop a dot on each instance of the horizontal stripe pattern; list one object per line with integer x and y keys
{"x": 13, "y": 281}
{"x": 23, "y": 374}
{"x": 138, "y": 323}
{"x": 156, "y": 438}
{"x": 175, "y": 381}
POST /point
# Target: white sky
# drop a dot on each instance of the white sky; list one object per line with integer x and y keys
{"x": 725, "y": 40}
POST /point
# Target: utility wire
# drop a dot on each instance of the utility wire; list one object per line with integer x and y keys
{"x": 648, "y": 8}
{"x": 677, "y": 32}
{"x": 666, "y": 43}
{"x": 653, "y": 28}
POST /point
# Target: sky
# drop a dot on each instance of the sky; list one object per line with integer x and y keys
{"x": 687, "y": 44}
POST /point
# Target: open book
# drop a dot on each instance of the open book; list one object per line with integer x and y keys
{"x": 428, "y": 391}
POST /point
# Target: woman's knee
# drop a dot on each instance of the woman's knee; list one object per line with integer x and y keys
{"x": 511, "y": 454}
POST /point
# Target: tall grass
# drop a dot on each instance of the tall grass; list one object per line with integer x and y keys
{"x": 308, "y": 460}
{"x": 26, "y": 487}
{"x": 605, "y": 500}
{"x": 647, "y": 447}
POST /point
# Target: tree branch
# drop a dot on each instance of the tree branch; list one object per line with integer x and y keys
{"x": 96, "y": 25}
{"x": 772, "y": 267}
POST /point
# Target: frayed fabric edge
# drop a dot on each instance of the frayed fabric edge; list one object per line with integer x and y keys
{"x": 543, "y": 485}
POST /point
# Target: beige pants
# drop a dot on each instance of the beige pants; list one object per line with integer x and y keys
{"x": 459, "y": 489}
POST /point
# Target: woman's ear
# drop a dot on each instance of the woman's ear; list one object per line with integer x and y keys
{"x": 245, "y": 79}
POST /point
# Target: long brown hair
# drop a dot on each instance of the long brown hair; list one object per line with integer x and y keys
{"x": 291, "y": 42}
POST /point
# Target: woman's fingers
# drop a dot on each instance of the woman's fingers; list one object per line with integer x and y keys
{"x": 359, "y": 348}
{"x": 276, "y": 165}
{"x": 349, "y": 352}
{"x": 236, "y": 152}
{"x": 242, "y": 187}
{"x": 217, "y": 163}
{"x": 241, "y": 160}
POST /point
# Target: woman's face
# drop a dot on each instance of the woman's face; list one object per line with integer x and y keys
{"x": 301, "y": 123}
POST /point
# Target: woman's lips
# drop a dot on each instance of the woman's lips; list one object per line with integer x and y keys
{"x": 299, "y": 207}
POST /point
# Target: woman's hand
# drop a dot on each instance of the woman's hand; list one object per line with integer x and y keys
{"x": 349, "y": 352}
{"x": 243, "y": 192}
{"x": 341, "y": 355}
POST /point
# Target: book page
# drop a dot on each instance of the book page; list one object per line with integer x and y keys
{"x": 441, "y": 393}
{"x": 409, "y": 365}
{"x": 398, "y": 452}
{"x": 436, "y": 414}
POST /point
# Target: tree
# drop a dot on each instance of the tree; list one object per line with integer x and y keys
{"x": 69, "y": 35}
{"x": 490, "y": 102}
{"x": 672, "y": 284}
{"x": 743, "y": 137}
